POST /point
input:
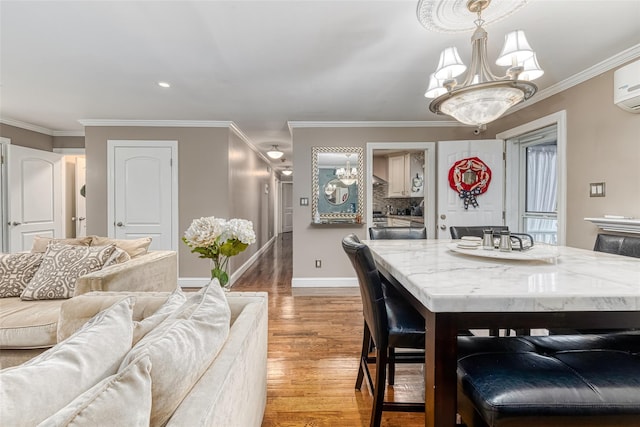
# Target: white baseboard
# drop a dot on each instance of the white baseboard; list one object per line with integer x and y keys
{"x": 198, "y": 282}
{"x": 324, "y": 282}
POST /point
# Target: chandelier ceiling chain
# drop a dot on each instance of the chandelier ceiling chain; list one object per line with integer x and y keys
{"x": 483, "y": 97}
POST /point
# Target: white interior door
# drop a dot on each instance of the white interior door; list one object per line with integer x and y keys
{"x": 81, "y": 200}
{"x": 144, "y": 192}
{"x": 287, "y": 206}
{"x": 490, "y": 204}
{"x": 34, "y": 181}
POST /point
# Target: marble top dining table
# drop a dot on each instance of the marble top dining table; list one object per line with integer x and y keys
{"x": 546, "y": 287}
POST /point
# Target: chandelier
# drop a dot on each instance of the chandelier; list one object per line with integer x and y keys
{"x": 275, "y": 152}
{"x": 482, "y": 97}
{"x": 347, "y": 174}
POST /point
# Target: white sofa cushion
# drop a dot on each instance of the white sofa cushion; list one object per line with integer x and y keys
{"x": 16, "y": 271}
{"x": 123, "y": 399}
{"x": 182, "y": 347}
{"x": 60, "y": 268}
{"x": 35, "y": 390}
{"x": 142, "y": 327}
{"x": 26, "y": 325}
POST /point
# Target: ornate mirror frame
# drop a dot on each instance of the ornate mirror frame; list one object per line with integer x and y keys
{"x": 337, "y": 216}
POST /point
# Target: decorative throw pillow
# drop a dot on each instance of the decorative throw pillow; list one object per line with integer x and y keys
{"x": 37, "y": 389}
{"x": 117, "y": 257}
{"x": 60, "y": 268}
{"x": 16, "y": 271}
{"x": 173, "y": 302}
{"x": 123, "y": 399}
{"x": 182, "y": 347}
{"x": 134, "y": 247}
{"x": 40, "y": 243}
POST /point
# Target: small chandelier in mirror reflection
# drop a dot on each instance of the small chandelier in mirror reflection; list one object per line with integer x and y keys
{"x": 347, "y": 174}
{"x": 481, "y": 97}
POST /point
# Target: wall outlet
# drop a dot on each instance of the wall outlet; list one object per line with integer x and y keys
{"x": 318, "y": 263}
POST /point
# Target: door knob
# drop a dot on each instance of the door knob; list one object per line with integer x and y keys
{"x": 443, "y": 227}
{"x": 119, "y": 224}
{"x": 15, "y": 223}
{"x": 81, "y": 218}
{"x": 443, "y": 216}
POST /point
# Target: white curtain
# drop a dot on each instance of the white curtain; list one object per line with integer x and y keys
{"x": 542, "y": 178}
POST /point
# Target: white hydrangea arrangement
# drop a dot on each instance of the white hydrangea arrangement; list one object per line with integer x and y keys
{"x": 219, "y": 239}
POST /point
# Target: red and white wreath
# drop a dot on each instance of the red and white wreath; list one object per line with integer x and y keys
{"x": 470, "y": 177}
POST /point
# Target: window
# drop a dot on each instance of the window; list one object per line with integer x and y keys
{"x": 539, "y": 185}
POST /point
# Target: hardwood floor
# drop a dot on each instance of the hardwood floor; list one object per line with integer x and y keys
{"x": 314, "y": 343}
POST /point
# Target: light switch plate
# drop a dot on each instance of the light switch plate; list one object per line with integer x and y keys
{"x": 304, "y": 201}
{"x": 596, "y": 189}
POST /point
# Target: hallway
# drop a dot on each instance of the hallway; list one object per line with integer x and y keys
{"x": 314, "y": 342}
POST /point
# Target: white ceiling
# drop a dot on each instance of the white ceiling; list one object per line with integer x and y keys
{"x": 263, "y": 63}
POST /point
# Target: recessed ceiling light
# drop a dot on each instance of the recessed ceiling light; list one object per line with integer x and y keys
{"x": 164, "y": 84}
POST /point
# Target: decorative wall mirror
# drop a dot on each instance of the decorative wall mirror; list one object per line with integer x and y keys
{"x": 338, "y": 184}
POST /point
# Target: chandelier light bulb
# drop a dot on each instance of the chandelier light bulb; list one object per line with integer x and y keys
{"x": 450, "y": 64}
{"x": 515, "y": 51}
{"x": 435, "y": 88}
{"x": 531, "y": 69}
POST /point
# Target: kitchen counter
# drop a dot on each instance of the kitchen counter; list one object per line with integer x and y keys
{"x": 419, "y": 219}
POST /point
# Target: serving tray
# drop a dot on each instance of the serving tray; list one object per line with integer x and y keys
{"x": 538, "y": 252}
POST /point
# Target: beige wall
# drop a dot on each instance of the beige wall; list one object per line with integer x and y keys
{"x": 603, "y": 145}
{"x": 27, "y": 138}
{"x": 324, "y": 242}
{"x": 202, "y": 178}
{"x": 68, "y": 142}
{"x": 249, "y": 175}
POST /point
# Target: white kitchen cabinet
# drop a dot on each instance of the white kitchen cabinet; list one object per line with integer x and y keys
{"x": 399, "y": 170}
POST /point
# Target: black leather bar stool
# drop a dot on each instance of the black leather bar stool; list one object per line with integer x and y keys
{"x": 458, "y": 231}
{"x": 389, "y": 292}
{"x": 377, "y": 233}
{"x": 390, "y": 324}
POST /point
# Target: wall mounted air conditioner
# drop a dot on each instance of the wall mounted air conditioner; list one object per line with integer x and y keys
{"x": 626, "y": 86}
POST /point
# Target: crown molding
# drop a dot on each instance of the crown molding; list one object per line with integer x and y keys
{"x": 26, "y": 126}
{"x": 157, "y": 123}
{"x": 235, "y": 129}
{"x": 68, "y": 133}
{"x": 591, "y": 72}
{"x": 375, "y": 124}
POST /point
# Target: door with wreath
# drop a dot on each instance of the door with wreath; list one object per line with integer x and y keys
{"x": 470, "y": 178}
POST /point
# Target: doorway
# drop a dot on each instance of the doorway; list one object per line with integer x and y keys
{"x": 286, "y": 206}
{"x": 544, "y": 130}
{"x": 417, "y": 158}
{"x": 142, "y": 189}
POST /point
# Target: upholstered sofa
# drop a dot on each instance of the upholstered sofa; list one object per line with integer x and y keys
{"x": 190, "y": 359}
{"x": 28, "y": 326}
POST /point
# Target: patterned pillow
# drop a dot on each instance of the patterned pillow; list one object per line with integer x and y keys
{"x": 117, "y": 257}
{"x": 60, "y": 268}
{"x": 16, "y": 270}
{"x": 40, "y": 242}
